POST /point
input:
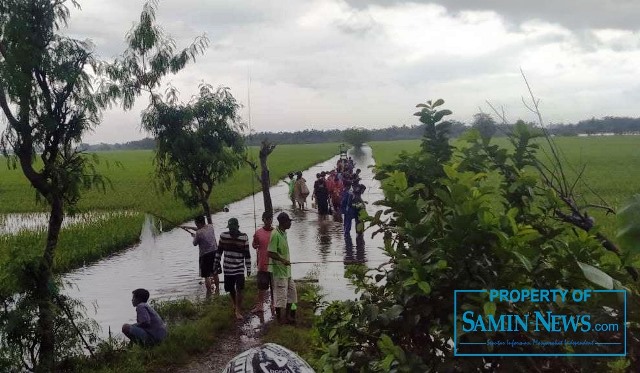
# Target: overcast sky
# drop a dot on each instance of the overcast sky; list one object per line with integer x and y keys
{"x": 335, "y": 64}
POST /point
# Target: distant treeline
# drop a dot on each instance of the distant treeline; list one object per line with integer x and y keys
{"x": 146, "y": 143}
{"x": 606, "y": 125}
{"x": 318, "y": 136}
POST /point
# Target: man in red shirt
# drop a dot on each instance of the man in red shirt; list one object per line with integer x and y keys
{"x": 261, "y": 244}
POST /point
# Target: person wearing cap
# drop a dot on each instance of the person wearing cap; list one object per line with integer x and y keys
{"x": 284, "y": 290}
{"x": 234, "y": 246}
{"x": 261, "y": 243}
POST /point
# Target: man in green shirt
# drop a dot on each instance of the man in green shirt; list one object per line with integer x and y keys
{"x": 284, "y": 290}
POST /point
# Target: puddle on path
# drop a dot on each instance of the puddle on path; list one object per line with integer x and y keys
{"x": 167, "y": 264}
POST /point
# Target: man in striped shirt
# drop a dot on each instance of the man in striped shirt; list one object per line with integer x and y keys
{"x": 234, "y": 245}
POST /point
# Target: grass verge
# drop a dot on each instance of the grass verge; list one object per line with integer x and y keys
{"x": 300, "y": 338}
{"x": 194, "y": 329}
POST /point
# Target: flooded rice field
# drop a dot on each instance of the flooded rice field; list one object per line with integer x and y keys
{"x": 38, "y": 221}
{"x": 167, "y": 264}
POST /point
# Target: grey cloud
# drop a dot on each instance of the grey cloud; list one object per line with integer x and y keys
{"x": 349, "y": 70}
{"x": 573, "y": 14}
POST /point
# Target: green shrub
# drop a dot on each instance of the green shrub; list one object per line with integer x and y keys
{"x": 473, "y": 217}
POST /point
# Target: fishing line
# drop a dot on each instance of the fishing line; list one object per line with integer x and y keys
{"x": 341, "y": 261}
{"x": 254, "y": 166}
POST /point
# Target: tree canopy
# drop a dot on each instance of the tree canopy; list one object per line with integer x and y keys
{"x": 477, "y": 216}
{"x": 356, "y": 136}
{"x": 198, "y": 143}
{"x": 52, "y": 91}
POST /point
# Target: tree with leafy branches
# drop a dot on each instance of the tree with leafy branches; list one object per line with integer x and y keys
{"x": 479, "y": 216}
{"x": 356, "y": 136}
{"x": 50, "y": 99}
{"x": 485, "y": 125}
{"x": 198, "y": 144}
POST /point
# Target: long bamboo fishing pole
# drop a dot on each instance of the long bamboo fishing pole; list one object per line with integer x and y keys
{"x": 337, "y": 261}
{"x": 253, "y": 192}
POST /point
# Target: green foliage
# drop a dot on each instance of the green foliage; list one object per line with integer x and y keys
{"x": 356, "y": 136}
{"x": 474, "y": 217}
{"x": 48, "y": 100}
{"x": 193, "y": 328}
{"x": 150, "y": 55}
{"x": 629, "y": 225}
{"x": 485, "y": 125}
{"x": 18, "y": 320}
{"x": 198, "y": 144}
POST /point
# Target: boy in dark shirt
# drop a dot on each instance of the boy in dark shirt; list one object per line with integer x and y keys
{"x": 149, "y": 328}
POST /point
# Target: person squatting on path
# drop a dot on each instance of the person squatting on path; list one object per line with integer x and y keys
{"x": 149, "y": 328}
{"x": 234, "y": 245}
{"x": 284, "y": 291}
{"x": 261, "y": 243}
{"x": 205, "y": 239}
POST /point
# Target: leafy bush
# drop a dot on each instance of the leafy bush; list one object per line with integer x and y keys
{"x": 477, "y": 217}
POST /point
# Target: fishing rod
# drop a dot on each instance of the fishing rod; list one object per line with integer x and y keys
{"x": 338, "y": 261}
{"x": 253, "y": 192}
{"x": 170, "y": 221}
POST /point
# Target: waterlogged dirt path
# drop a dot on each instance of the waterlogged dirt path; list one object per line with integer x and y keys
{"x": 167, "y": 264}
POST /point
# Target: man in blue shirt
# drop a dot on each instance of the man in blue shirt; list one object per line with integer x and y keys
{"x": 149, "y": 328}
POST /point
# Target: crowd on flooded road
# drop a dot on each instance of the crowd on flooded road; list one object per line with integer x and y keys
{"x": 336, "y": 192}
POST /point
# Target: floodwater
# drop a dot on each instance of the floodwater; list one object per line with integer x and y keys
{"x": 167, "y": 264}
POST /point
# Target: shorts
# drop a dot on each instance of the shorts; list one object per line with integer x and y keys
{"x": 284, "y": 291}
{"x": 207, "y": 262}
{"x": 233, "y": 283}
{"x": 264, "y": 280}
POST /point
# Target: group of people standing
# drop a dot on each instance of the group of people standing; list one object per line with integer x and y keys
{"x": 232, "y": 250}
{"x": 231, "y": 255}
{"x": 337, "y": 192}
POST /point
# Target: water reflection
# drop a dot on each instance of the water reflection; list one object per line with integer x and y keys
{"x": 359, "y": 257}
{"x": 324, "y": 237}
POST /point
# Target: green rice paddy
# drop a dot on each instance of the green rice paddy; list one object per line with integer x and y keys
{"x": 131, "y": 176}
{"x": 610, "y": 176}
{"x": 610, "y": 173}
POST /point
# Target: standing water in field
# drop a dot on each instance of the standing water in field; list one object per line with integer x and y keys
{"x": 166, "y": 264}
{"x": 39, "y": 221}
